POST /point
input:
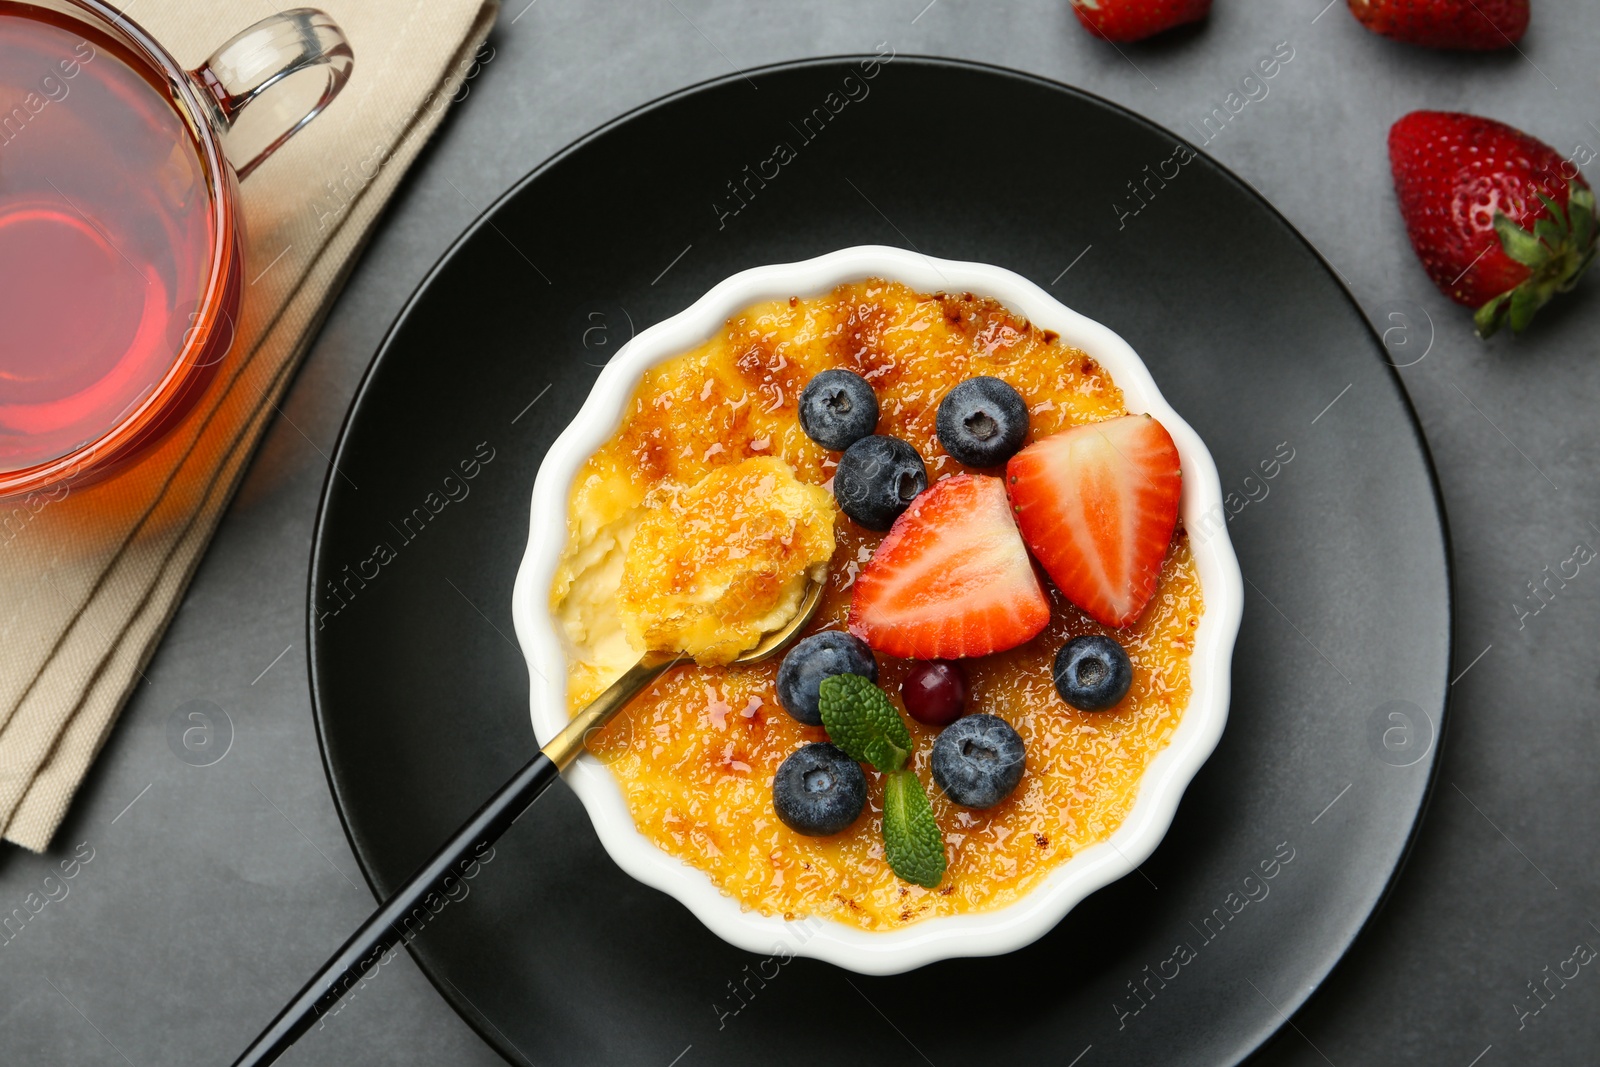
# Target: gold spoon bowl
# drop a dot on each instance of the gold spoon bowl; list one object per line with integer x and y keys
{"x": 569, "y": 743}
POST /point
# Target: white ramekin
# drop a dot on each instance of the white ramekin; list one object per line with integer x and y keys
{"x": 982, "y": 934}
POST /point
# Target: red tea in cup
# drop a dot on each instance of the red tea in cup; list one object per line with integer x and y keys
{"x": 107, "y": 226}
{"x": 120, "y": 255}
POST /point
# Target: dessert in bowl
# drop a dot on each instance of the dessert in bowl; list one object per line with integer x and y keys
{"x": 1018, "y": 663}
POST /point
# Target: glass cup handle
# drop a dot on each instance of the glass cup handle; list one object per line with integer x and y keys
{"x": 256, "y": 59}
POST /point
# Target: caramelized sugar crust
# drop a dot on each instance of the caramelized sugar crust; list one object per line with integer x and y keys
{"x": 695, "y": 754}
{"x": 715, "y": 566}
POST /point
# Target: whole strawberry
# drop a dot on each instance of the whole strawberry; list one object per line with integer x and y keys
{"x": 1500, "y": 221}
{"x": 1134, "y": 20}
{"x": 1475, "y": 24}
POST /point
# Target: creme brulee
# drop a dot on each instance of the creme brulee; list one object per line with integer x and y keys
{"x": 696, "y": 753}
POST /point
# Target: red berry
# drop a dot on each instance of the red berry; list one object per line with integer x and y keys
{"x": 1500, "y": 221}
{"x": 1472, "y": 24}
{"x": 952, "y": 579}
{"x": 1097, "y": 504}
{"x": 1134, "y": 20}
{"x": 935, "y": 692}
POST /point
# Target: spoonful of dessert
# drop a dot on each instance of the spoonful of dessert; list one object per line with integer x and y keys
{"x": 727, "y": 571}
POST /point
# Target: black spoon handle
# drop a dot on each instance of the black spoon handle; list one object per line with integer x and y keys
{"x": 386, "y": 927}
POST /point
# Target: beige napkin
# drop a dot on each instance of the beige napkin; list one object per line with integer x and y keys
{"x": 89, "y": 581}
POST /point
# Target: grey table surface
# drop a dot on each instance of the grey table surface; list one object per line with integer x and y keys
{"x": 149, "y": 960}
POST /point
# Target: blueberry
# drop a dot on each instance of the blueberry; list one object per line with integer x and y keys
{"x": 822, "y": 655}
{"x": 838, "y": 409}
{"x": 1092, "y": 672}
{"x": 982, "y": 422}
{"x": 819, "y": 790}
{"x": 977, "y": 760}
{"x": 877, "y": 479}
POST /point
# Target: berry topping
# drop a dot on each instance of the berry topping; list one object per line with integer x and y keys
{"x": 1092, "y": 672}
{"x": 813, "y": 659}
{"x": 819, "y": 790}
{"x": 935, "y": 692}
{"x": 837, "y": 409}
{"x": 952, "y": 579}
{"x": 1097, "y": 504}
{"x": 982, "y": 422}
{"x": 877, "y": 478}
{"x": 977, "y": 760}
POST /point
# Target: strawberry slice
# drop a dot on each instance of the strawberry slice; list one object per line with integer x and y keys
{"x": 1097, "y": 504}
{"x": 951, "y": 579}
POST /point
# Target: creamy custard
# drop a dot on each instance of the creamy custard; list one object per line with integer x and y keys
{"x": 696, "y": 753}
{"x": 714, "y": 566}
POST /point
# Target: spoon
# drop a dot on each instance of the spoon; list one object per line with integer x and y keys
{"x": 384, "y": 929}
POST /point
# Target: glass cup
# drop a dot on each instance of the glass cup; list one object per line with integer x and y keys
{"x": 121, "y": 241}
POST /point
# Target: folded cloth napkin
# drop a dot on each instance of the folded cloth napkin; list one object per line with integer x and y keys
{"x": 90, "y": 579}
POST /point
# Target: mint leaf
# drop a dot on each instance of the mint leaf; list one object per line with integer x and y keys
{"x": 862, "y": 722}
{"x": 912, "y": 842}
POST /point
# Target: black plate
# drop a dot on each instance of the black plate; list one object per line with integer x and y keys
{"x": 1339, "y": 677}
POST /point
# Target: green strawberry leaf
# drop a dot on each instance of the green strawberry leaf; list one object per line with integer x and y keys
{"x": 862, "y": 722}
{"x": 1567, "y": 284}
{"x": 912, "y": 842}
{"x": 1580, "y": 209}
{"x": 1525, "y": 300}
{"x": 1518, "y": 243}
{"x": 1552, "y": 207}
{"x": 1489, "y": 317}
{"x": 1550, "y": 232}
{"x": 1556, "y": 253}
